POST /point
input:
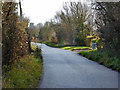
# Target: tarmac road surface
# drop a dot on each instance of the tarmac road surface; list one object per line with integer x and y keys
{"x": 67, "y": 69}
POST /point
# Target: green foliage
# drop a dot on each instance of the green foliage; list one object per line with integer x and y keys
{"x": 107, "y": 19}
{"x": 33, "y": 47}
{"x": 24, "y": 73}
{"x": 106, "y": 58}
{"x": 93, "y": 41}
{"x": 51, "y": 44}
{"x": 88, "y": 42}
{"x": 75, "y": 48}
{"x": 14, "y": 38}
{"x": 80, "y": 41}
{"x": 68, "y": 27}
{"x": 38, "y": 53}
{"x": 100, "y": 43}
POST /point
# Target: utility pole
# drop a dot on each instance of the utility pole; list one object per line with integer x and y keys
{"x": 20, "y": 10}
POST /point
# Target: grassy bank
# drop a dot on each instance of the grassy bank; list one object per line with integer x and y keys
{"x": 106, "y": 58}
{"x": 76, "y": 48}
{"x": 67, "y": 47}
{"x": 24, "y": 73}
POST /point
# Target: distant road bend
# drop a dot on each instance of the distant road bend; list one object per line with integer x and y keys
{"x": 67, "y": 69}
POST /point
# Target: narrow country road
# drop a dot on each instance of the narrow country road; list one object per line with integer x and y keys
{"x": 67, "y": 69}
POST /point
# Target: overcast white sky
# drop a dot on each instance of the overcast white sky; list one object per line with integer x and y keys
{"x": 41, "y": 10}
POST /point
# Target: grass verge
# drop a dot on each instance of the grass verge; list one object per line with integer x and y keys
{"x": 67, "y": 47}
{"x": 76, "y": 48}
{"x": 24, "y": 73}
{"x": 106, "y": 58}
